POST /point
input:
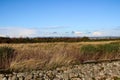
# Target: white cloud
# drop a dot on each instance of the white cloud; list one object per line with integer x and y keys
{"x": 27, "y": 32}
{"x": 97, "y": 33}
{"x": 2, "y": 35}
{"x": 78, "y": 33}
{"x": 17, "y": 31}
{"x": 40, "y": 32}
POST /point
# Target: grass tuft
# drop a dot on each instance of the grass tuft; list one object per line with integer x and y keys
{"x": 6, "y": 56}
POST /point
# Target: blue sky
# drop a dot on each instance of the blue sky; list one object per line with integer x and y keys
{"x": 45, "y": 18}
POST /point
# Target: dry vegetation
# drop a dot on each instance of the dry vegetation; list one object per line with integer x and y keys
{"x": 52, "y": 55}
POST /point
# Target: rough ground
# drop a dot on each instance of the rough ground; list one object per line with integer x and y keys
{"x": 88, "y": 71}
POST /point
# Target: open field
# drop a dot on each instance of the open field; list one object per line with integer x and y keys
{"x": 51, "y": 55}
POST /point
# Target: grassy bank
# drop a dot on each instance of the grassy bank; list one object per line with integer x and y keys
{"x": 52, "y": 55}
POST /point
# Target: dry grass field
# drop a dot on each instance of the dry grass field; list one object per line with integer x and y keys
{"x": 51, "y": 55}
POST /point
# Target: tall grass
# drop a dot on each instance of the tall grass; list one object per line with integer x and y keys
{"x": 52, "y": 55}
{"x": 44, "y": 56}
{"x": 6, "y": 56}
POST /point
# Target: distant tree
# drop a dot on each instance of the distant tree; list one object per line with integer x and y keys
{"x": 85, "y": 39}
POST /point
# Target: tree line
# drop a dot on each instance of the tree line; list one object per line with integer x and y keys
{"x": 52, "y": 39}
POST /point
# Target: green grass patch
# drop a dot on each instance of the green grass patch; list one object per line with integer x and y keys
{"x": 103, "y": 51}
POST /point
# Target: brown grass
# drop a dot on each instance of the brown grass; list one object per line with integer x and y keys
{"x": 48, "y": 55}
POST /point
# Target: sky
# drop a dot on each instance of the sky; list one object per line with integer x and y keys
{"x": 59, "y": 18}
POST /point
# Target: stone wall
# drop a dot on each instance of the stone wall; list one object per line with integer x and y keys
{"x": 88, "y": 71}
